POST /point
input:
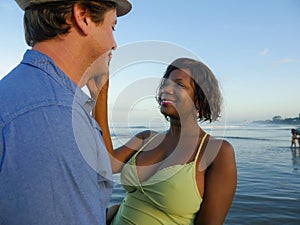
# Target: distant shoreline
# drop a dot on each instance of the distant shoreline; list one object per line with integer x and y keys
{"x": 279, "y": 120}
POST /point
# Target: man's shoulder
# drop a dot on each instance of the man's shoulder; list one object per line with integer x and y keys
{"x": 25, "y": 89}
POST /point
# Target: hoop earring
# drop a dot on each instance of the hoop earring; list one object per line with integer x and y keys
{"x": 197, "y": 114}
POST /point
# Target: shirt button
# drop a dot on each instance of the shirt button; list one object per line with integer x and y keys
{"x": 90, "y": 100}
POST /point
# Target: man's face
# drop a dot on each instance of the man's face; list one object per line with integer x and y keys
{"x": 102, "y": 35}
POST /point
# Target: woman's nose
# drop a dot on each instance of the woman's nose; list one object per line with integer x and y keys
{"x": 167, "y": 87}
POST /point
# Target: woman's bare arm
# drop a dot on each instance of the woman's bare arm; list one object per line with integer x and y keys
{"x": 120, "y": 155}
{"x": 220, "y": 186}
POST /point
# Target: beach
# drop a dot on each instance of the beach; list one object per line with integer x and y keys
{"x": 268, "y": 189}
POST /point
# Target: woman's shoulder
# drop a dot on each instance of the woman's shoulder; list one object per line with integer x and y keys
{"x": 218, "y": 151}
{"x": 220, "y": 144}
{"x": 146, "y": 134}
{"x": 224, "y": 153}
{"x": 139, "y": 139}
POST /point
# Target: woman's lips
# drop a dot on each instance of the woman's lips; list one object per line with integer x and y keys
{"x": 165, "y": 102}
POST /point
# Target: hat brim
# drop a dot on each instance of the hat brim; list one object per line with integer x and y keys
{"x": 123, "y": 6}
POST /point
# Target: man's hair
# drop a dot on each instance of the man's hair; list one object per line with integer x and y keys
{"x": 48, "y": 20}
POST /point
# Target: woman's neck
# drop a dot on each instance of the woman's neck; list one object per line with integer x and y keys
{"x": 178, "y": 128}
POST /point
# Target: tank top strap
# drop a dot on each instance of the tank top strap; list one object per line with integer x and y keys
{"x": 200, "y": 147}
{"x": 142, "y": 148}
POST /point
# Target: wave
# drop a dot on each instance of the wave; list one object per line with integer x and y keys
{"x": 248, "y": 138}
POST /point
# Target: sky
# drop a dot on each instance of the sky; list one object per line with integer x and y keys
{"x": 253, "y": 48}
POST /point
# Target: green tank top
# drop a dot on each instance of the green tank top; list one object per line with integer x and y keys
{"x": 170, "y": 196}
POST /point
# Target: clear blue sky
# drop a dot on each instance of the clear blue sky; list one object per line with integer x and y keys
{"x": 253, "y": 47}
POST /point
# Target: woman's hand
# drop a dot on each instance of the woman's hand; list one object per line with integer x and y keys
{"x": 98, "y": 84}
{"x": 98, "y": 75}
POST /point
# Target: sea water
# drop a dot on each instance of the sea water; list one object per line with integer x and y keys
{"x": 268, "y": 189}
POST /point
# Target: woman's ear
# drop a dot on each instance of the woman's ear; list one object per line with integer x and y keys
{"x": 81, "y": 19}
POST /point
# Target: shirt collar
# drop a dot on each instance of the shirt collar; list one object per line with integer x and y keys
{"x": 45, "y": 63}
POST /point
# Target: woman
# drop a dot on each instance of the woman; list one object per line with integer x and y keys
{"x": 183, "y": 175}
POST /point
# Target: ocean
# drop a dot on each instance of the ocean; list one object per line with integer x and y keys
{"x": 268, "y": 189}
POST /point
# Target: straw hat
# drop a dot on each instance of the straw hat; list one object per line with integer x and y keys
{"x": 123, "y": 6}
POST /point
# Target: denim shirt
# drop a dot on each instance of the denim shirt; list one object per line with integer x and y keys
{"x": 54, "y": 168}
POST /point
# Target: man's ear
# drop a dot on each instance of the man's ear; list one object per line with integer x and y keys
{"x": 81, "y": 19}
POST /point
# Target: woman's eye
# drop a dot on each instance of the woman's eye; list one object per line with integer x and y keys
{"x": 113, "y": 28}
{"x": 180, "y": 84}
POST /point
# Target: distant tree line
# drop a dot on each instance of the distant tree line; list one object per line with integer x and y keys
{"x": 280, "y": 120}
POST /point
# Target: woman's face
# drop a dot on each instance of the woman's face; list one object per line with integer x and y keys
{"x": 177, "y": 95}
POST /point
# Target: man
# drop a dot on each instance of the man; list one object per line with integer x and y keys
{"x": 54, "y": 168}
